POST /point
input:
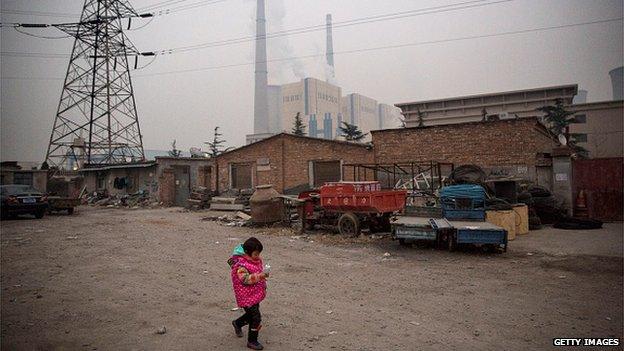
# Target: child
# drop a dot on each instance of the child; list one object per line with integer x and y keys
{"x": 249, "y": 283}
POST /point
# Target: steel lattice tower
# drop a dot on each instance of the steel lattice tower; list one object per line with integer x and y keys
{"x": 96, "y": 121}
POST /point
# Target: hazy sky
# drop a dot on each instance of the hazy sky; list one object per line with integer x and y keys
{"x": 187, "y": 106}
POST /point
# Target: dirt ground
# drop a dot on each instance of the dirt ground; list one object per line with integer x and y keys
{"x": 107, "y": 279}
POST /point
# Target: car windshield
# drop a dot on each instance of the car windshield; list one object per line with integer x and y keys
{"x": 16, "y": 189}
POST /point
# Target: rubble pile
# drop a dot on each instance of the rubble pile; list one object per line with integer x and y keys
{"x": 139, "y": 199}
{"x": 200, "y": 198}
{"x": 232, "y": 200}
{"x": 240, "y": 219}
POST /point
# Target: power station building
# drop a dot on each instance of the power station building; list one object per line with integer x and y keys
{"x": 322, "y": 109}
{"x": 320, "y": 104}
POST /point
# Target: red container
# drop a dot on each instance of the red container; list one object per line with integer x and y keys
{"x": 362, "y": 197}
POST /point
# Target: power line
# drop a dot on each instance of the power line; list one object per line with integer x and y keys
{"x": 188, "y": 7}
{"x": 524, "y": 31}
{"x": 160, "y": 4}
{"x": 40, "y": 13}
{"x": 357, "y": 21}
{"x": 41, "y": 36}
{"x": 347, "y": 23}
{"x": 387, "y": 47}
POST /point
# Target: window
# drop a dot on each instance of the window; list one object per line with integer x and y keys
{"x": 240, "y": 176}
{"x": 325, "y": 171}
{"x": 23, "y": 178}
{"x": 579, "y": 137}
{"x": 580, "y": 119}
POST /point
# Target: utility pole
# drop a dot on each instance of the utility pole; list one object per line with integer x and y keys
{"x": 97, "y": 99}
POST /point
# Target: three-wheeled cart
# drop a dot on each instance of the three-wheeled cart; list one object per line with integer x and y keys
{"x": 478, "y": 233}
{"x": 351, "y": 206}
{"x": 58, "y": 203}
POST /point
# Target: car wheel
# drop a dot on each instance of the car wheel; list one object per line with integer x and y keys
{"x": 39, "y": 214}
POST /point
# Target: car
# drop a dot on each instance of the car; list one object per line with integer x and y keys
{"x": 22, "y": 199}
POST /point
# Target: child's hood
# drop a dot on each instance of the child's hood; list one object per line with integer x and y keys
{"x": 238, "y": 250}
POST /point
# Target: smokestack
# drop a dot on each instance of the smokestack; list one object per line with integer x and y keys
{"x": 617, "y": 81}
{"x": 261, "y": 98}
{"x": 330, "y": 45}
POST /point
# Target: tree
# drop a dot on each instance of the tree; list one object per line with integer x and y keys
{"x": 557, "y": 117}
{"x": 174, "y": 152}
{"x": 299, "y": 127}
{"x": 216, "y": 145}
{"x": 351, "y": 132}
{"x": 421, "y": 118}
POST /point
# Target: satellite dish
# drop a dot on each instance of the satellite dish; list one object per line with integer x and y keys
{"x": 563, "y": 140}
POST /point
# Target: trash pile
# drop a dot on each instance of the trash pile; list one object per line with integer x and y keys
{"x": 141, "y": 198}
{"x": 240, "y": 219}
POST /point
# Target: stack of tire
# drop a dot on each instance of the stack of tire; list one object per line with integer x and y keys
{"x": 544, "y": 207}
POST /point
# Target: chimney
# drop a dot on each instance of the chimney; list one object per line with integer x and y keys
{"x": 261, "y": 99}
{"x": 330, "y": 45}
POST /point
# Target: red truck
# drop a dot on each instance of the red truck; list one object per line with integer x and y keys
{"x": 351, "y": 206}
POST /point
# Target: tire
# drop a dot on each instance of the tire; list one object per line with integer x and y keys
{"x": 70, "y": 211}
{"x": 349, "y": 225}
{"x": 452, "y": 245}
{"x": 39, "y": 214}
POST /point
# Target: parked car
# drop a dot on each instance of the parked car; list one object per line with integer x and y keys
{"x": 22, "y": 199}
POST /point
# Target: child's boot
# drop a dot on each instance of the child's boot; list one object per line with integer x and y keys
{"x": 252, "y": 341}
{"x": 238, "y": 330}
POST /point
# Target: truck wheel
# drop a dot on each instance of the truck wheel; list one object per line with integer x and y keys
{"x": 39, "y": 214}
{"x": 452, "y": 245}
{"x": 349, "y": 225}
{"x": 70, "y": 211}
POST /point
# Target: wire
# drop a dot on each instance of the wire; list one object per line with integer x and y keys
{"x": 33, "y": 54}
{"x": 147, "y": 65}
{"x": 357, "y": 21}
{"x": 159, "y": 4}
{"x": 145, "y": 25}
{"x": 393, "y": 46}
{"x": 39, "y": 13}
{"x": 301, "y": 30}
{"x": 523, "y": 31}
{"x": 40, "y": 36}
{"x": 186, "y": 7}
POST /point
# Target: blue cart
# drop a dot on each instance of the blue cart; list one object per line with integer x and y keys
{"x": 408, "y": 229}
{"x": 463, "y": 202}
{"x": 478, "y": 233}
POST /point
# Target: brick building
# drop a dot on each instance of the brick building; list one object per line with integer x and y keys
{"x": 168, "y": 179}
{"x": 289, "y": 162}
{"x": 517, "y": 147}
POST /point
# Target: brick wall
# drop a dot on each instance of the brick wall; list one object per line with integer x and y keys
{"x": 288, "y": 157}
{"x": 299, "y": 152}
{"x": 194, "y": 165}
{"x": 507, "y": 143}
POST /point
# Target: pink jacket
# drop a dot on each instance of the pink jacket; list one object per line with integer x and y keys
{"x": 247, "y": 295}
